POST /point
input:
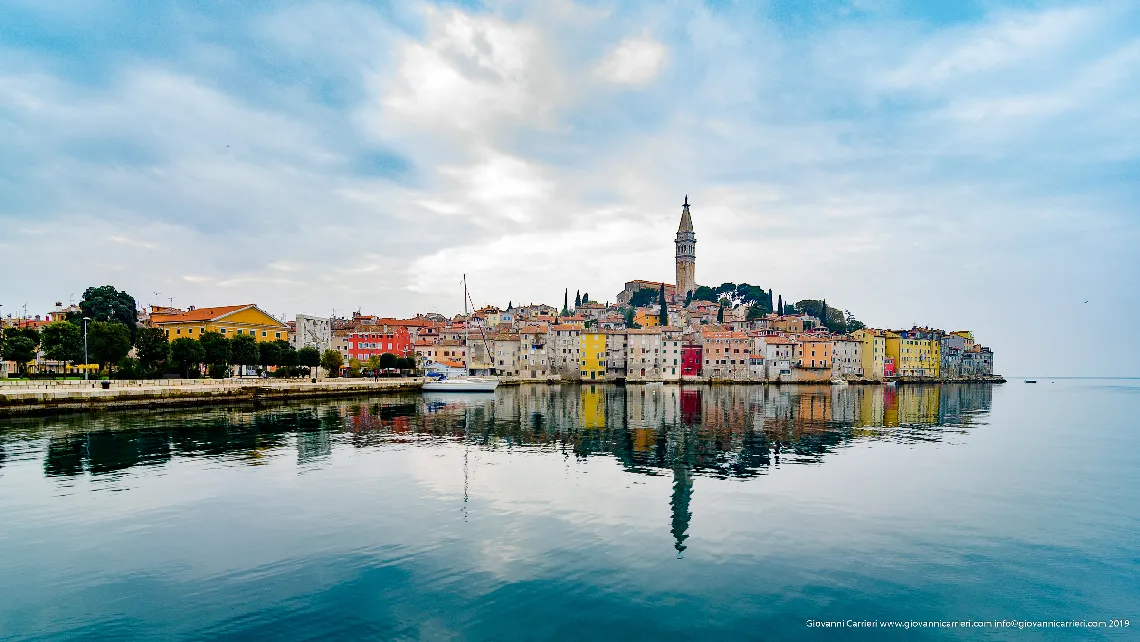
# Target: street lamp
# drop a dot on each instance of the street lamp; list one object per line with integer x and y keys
{"x": 85, "y": 320}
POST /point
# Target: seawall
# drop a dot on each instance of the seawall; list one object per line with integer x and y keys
{"x": 48, "y": 398}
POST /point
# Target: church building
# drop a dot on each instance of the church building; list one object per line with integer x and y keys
{"x": 686, "y": 282}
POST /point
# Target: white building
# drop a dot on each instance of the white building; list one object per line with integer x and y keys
{"x": 312, "y": 332}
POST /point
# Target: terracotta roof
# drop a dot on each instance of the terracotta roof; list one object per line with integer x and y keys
{"x": 564, "y": 326}
{"x": 198, "y": 314}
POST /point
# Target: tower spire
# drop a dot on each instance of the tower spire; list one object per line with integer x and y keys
{"x": 686, "y": 253}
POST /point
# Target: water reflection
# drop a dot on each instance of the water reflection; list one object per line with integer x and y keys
{"x": 685, "y": 432}
{"x": 730, "y": 431}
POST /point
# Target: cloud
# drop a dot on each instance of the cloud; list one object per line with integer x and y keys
{"x": 338, "y": 154}
{"x": 633, "y": 62}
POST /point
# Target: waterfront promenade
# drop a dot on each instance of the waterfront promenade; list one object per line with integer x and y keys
{"x": 32, "y": 397}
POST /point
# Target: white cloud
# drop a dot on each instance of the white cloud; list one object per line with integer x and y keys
{"x": 633, "y": 62}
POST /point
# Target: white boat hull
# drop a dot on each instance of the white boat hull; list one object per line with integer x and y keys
{"x": 463, "y": 384}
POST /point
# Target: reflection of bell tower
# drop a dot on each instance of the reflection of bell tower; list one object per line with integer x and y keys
{"x": 686, "y": 253}
{"x": 682, "y": 495}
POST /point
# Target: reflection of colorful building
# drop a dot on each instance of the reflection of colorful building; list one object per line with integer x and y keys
{"x": 593, "y": 402}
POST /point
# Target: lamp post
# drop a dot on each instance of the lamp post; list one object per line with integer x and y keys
{"x": 85, "y": 320}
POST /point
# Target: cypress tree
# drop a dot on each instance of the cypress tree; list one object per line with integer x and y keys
{"x": 720, "y": 314}
{"x": 577, "y": 298}
{"x": 586, "y": 297}
{"x": 781, "y": 309}
{"x": 566, "y": 302}
{"x": 770, "y": 306}
{"x": 823, "y": 308}
{"x": 664, "y": 308}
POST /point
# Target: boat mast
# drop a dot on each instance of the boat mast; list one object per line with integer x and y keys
{"x": 466, "y": 325}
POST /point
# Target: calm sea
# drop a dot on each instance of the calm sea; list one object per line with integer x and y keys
{"x": 583, "y": 513}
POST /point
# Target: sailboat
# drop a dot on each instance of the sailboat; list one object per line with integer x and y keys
{"x": 464, "y": 383}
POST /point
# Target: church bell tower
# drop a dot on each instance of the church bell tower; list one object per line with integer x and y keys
{"x": 686, "y": 253}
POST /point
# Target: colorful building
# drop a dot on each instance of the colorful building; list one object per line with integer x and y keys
{"x": 872, "y": 352}
{"x": 691, "y": 355}
{"x": 363, "y": 345}
{"x": 229, "y": 321}
{"x": 592, "y": 355}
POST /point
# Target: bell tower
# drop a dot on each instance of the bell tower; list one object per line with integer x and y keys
{"x": 686, "y": 253}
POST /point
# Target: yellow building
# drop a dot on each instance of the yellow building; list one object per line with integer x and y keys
{"x": 592, "y": 351}
{"x": 229, "y": 320}
{"x": 872, "y": 352}
{"x": 916, "y": 352}
{"x": 647, "y": 318}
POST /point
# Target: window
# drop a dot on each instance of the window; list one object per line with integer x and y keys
{"x": 223, "y": 330}
{"x": 176, "y": 331}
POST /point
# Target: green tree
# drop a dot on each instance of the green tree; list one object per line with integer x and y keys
{"x": 585, "y": 297}
{"x": 406, "y": 363}
{"x": 354, "y": 367}
{"x": 289, "y": 357}
{"x": 851, "y": 324}
{"x": 577, "y": 299}
{"x": 152, "y": 347}
{"x": 643, "y": 297}
{"x": 373, "y": 363}
{"x": 387, "y": 360}
{"x": 129, "y": 368}
{"x": 566, "y": 302}
{"x": 720, "y": 313}
{"x": 664, "y": 318}
{"x": 244, "y": 350}
{"x": 331, "y": 361}
{"x": 781, "y": 309}
{"x": 216, "y": 348}
{"x": 108, "y": 342}
{"x": 628, "y": 318}
{"x": 63, "y": 341}
{"x": 105, "y": 303}
{"x": 187, "y": 353}
{"x": 309, "y": 357}
{"x": 755, "y": 312}
{"x": 269, "y": 353}
{"x": 20, "y": 349}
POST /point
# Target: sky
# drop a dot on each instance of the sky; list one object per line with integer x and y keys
{"x": 964, "y": 165}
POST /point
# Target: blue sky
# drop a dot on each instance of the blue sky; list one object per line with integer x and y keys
{"x": 965, "y": 165}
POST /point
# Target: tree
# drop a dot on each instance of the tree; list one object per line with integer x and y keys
{"x": 216, "y": 348}
{"x": 20, "y": 349}
{"x": 585, "y": 297}
{"x": 289, "y": 357}
{"x": 566, "y": 302}
{"x": 720, "y": 313}
{"x": 629, "y": 318}
{"x": 354, "y": 367}
{"x": 577, "y": 298}
{"x": 309, "y": 357}
{"x": 331, "y": 361}
{"x": 152, "y": 347}
{"x": 781, "y": 312}
{"x": 244, "y": 350}
{"x": 406, "y": 363}
{"x": 851, "y": 324}
{"x": 108, "y": 342}
{"x": 643, "y": 297}
{"x": 62, "y": 341}
{"x": 755, "y": 312}
{"x": 268, "y": 353}
{"x": 105, "y": 303}
{"x": 664, "y": 319}
{"x": 387, "y": 360}
{"x": 373, "y": 363}
{"x": 187, "y": 353}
